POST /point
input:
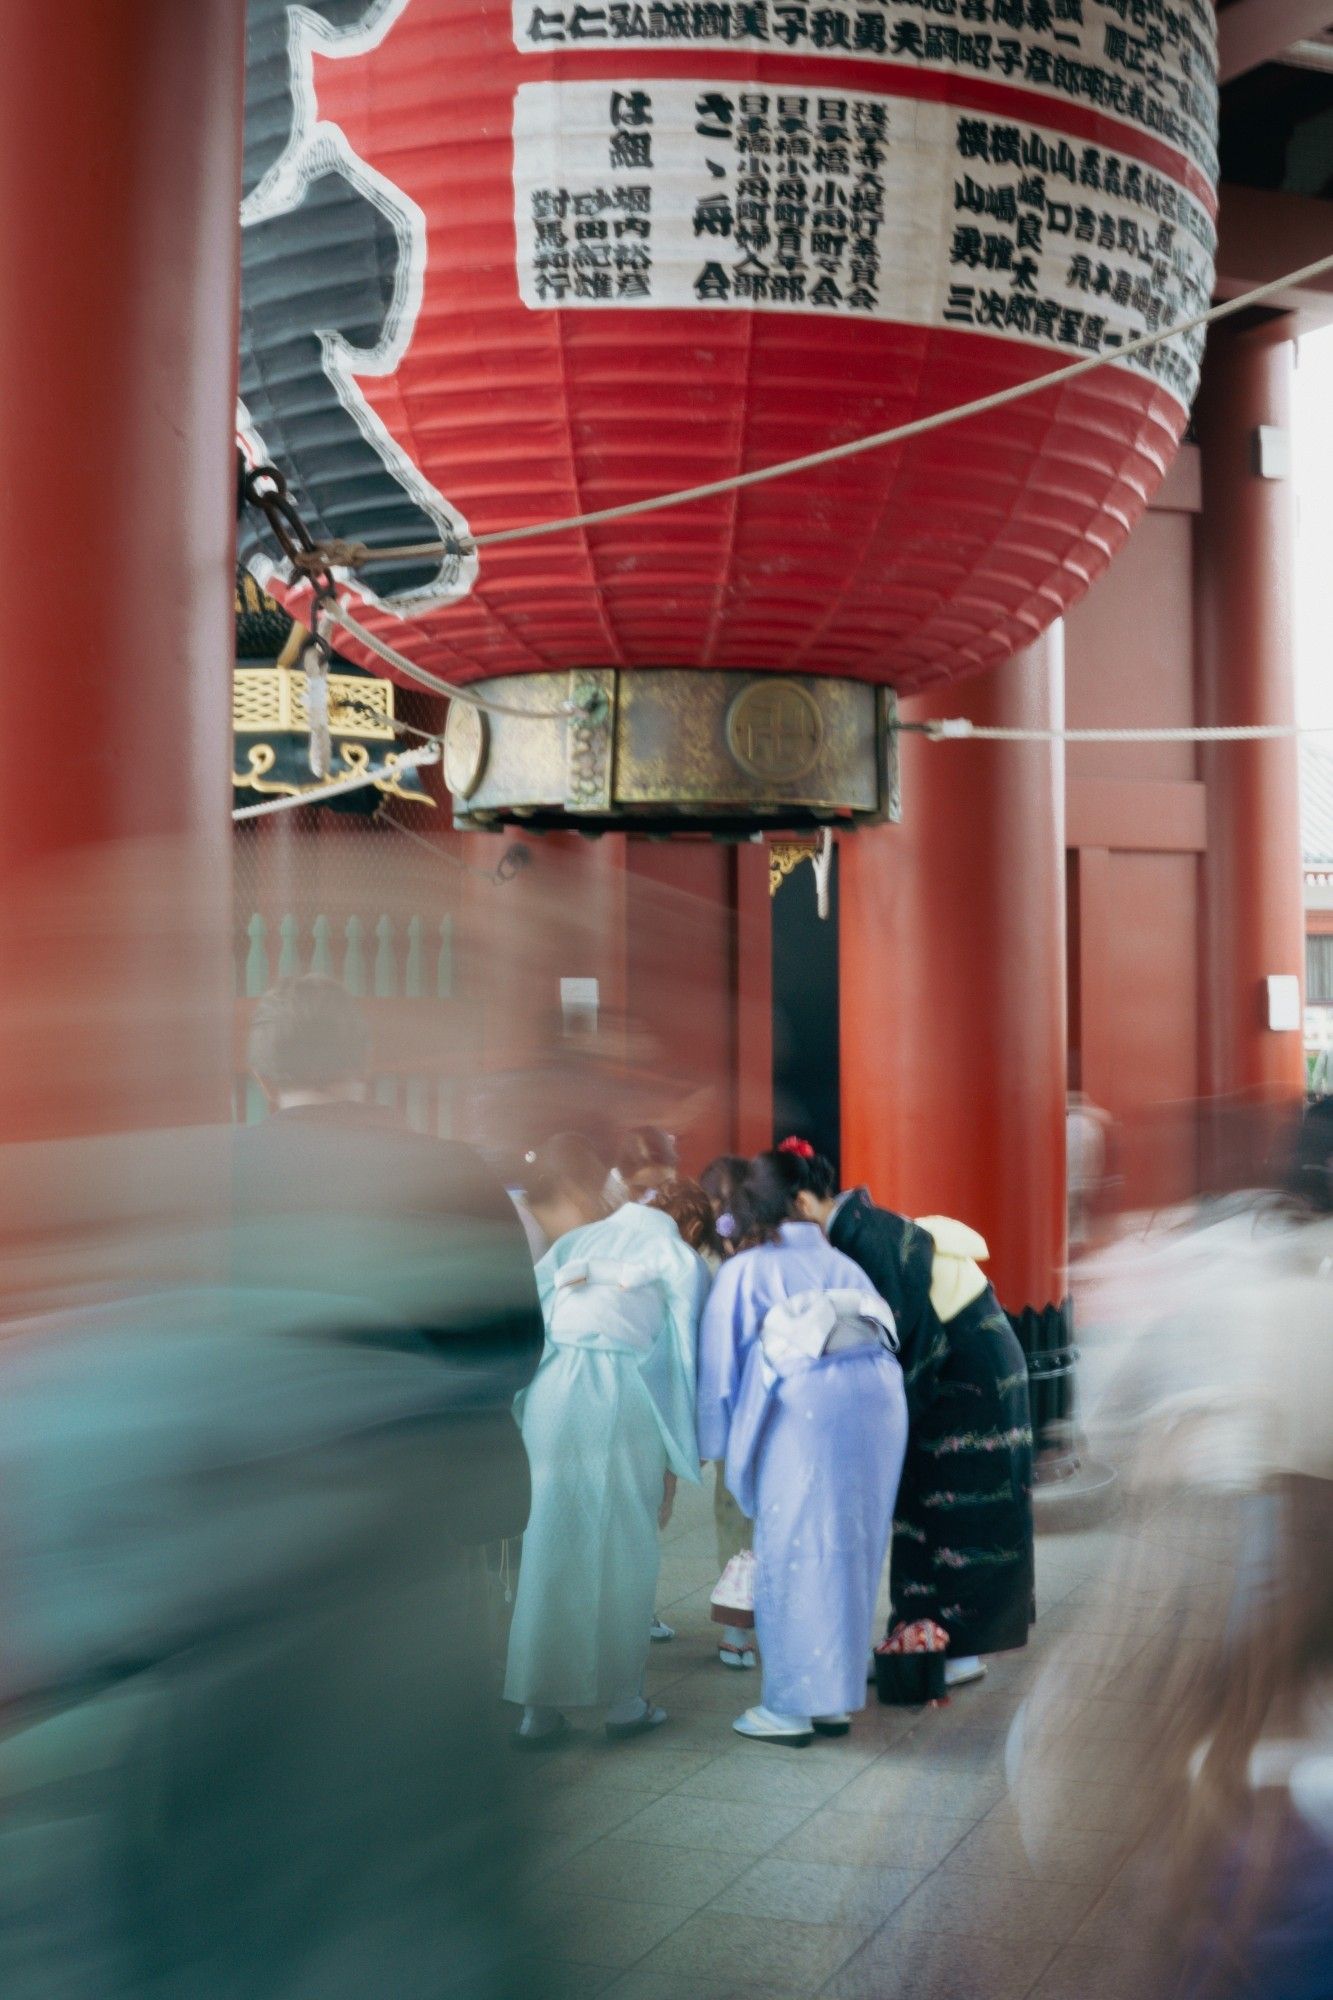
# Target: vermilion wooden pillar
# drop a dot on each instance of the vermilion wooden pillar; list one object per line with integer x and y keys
{"x": 1252, "y": 917}
{"x": 953, "y": 983}
{"x": 120, "y": 135}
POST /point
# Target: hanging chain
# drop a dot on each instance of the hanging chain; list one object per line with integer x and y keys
{"x": 265, "y": 488}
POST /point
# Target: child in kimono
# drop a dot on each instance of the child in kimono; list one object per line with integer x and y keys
{"x": 608, "y": 1423}
{"x": 799, "y": 1390}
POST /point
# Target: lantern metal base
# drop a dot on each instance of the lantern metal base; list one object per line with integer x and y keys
{"x": 668, "y": 750}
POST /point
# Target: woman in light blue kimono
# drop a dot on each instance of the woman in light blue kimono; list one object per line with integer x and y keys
{"x": 800, "y": 1390}
{"x": 608, "y": 1423}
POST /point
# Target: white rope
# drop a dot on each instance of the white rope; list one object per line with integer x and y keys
{"x": 959, "y": 729}
{"x": 337, "y": 615}
{"x": 410, "y": 760}
{"x": 876, "y": 441}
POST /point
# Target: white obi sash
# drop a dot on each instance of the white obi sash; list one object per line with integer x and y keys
{"x": 607, "y": 1305}
{"x": 812, "y": 1325}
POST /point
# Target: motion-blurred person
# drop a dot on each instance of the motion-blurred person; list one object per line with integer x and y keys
{"x": 719, "y": 1181}
{"x": 1206, "y": 1695}
{"x": 646, "y": 1159}
{"x": 609, "y": 1425}
{"x": 801, "y": 1394}
{"x": 962, "y": 1531}
{"x": 1087, "y": 1136}
{"x": 248, "y": 1740}
{"x": 336, "y": 1197}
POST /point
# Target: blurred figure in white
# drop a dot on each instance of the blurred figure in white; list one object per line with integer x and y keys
{"x": 1202, "y": 1724}
{"x": 1087, "y": 1147}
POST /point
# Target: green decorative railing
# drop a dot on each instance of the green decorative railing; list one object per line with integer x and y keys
{"x": 377, "y": 959}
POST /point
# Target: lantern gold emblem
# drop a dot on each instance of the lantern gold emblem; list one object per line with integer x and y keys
{"x": 775, "y": 730}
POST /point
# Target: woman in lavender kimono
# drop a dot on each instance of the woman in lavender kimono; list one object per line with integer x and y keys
{"x": 800, "y": 1392}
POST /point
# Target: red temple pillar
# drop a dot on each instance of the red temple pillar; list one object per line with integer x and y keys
{"x": 120, "y": 138}
{"x": 953, "y": 982}
{"x": 1253, "y": 925}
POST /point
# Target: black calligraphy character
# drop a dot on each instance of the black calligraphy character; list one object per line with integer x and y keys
{"x": 546, "y": 26}
{"x": 713, "y": 216}
{"x": 830, "y": 29}
{"x": 631, "y": 149}
{"x": 967, "y": 248}
{"x": 587, "y": 24}
{"x": 960, "y": 306}
{"x": 631, "y": 107}
{"x": 713, "y": 114}
{"x": 1024, "y": 277}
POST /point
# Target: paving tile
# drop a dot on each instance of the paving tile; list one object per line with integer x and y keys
{"x": 591, "y": 1809}
{"x": 594, "y": 1930}
{"x": 922, "y": 1784}
{"x": 873, "y": 1840}
{"x": 679, "y": 1821}
{"x": 999, "y": 1906}
{"x": 765, "y": 1773}
{"x": 563, "y": 1979}
{"x": 819, "y": 1893}
{"x": 715, "y": 1689}
{"x": 722, "y": 1950}
{"x": 996, "y": 1848}
{"x": 637, "y": 1984}
{"x": 919, "y": 1965}
{"x": 1085, "y": 1972}
{"x": 649, "y": 1872}
{"x": 654, "y": 1762}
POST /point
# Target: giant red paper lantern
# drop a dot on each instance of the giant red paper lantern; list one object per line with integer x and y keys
{"x": 507, "y": 263}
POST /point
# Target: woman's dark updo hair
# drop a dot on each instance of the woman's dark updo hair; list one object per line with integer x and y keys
{"x": 721, "y": 1178}
{"x": 566, "y": 1164}
{"x": 767, "y": 1196}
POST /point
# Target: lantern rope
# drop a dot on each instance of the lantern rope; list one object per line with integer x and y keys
{"x": 410, "y": 760}
{"x": 958, "y": 729}
{"x": 358, "y": 555}
{"x": 944, "y": 729}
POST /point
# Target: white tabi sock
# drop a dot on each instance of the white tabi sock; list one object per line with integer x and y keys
{"x": 539, "y": 1721}
{"x": 629, "y": 1710}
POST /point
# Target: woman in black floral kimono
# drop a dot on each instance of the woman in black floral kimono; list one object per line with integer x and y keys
{"x": 962, "y": 1531}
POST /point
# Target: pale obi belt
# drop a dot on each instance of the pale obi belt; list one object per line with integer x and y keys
{"x": 609, "y": 1306}
{"x": 816, "y": 1326}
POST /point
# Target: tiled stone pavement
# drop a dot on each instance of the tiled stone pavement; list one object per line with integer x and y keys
{"x": 690, "y": 1865}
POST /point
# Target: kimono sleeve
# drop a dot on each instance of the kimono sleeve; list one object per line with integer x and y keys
{"x": 721, "y": 1334}
{"x": 669, "y": 1372}
{"x": 898, "y": 1258}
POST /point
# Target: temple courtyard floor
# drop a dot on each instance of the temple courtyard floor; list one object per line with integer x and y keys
{"x": 692, "y": 1865}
